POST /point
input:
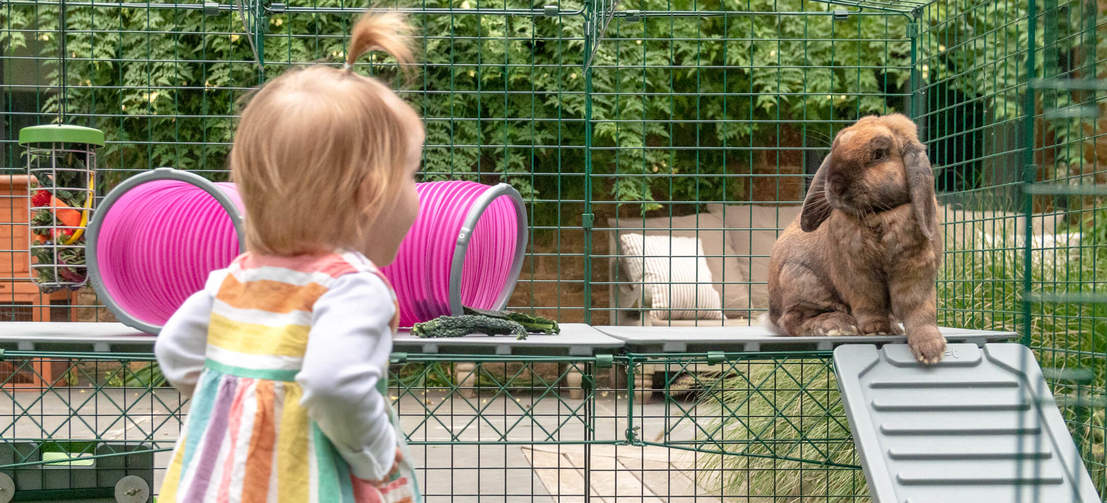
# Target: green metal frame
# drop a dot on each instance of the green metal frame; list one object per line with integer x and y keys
{"x": 676, "y": 118}
{"x": 790, "y": 435}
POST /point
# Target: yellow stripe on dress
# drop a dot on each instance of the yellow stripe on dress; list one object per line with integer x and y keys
{"x": 249, "y": 338}
{"x": 293, "y": 454}
{"x": 168, "y": 491}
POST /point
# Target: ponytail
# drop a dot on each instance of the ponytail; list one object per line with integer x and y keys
{"x": 388, "y": 32}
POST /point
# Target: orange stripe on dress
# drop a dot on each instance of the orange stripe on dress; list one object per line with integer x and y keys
{"x": 269, "y": 295}
{"x": 259, "y": 457}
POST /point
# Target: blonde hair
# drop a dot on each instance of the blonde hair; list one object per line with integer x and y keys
{"x": 319, "y": 151}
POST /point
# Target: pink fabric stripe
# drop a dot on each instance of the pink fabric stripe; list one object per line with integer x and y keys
{"x": 236, "y": 422}
{"x": 332, "y": 264}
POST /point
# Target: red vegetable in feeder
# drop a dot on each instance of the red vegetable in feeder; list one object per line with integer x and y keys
{"x": 41, "y": 198}
{"x": 66, "y": 216}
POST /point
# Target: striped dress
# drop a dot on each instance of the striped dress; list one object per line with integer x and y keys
{"x": 247, "y": 436}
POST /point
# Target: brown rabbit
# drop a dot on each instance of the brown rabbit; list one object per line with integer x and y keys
{"x": 863, "y": 254}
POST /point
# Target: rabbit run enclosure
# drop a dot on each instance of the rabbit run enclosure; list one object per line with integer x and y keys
{"x": 660, "y": 148}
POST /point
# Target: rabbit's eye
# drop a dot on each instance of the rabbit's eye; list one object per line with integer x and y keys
{"x": 879, "y": 154}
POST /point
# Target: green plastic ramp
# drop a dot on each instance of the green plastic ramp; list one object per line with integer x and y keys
{"x": 979, "y": 427}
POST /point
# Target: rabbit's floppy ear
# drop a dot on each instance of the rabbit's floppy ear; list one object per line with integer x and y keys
{"x": 920, "y": 184}
{"x": 815, "y": 206}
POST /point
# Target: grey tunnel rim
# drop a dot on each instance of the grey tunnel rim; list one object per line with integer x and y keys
{"x": 469, "y": 225}
{"x": 92, "y": 244}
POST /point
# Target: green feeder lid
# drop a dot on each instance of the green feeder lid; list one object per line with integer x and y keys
{"x": 61, "y": 133}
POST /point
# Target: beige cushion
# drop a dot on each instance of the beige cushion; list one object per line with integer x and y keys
{"x": 723, "y": 262}
{"x": 751, "y": 232}
{"x": 674, "y": 276}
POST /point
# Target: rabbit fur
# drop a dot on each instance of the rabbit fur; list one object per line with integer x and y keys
{"x": 862, "y": 257}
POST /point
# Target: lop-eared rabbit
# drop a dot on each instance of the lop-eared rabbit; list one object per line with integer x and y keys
{"x": 863, "y": 255}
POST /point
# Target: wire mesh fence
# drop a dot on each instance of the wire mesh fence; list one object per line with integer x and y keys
{"x": 661, "y": 148}
{"x": 708, "y": 121}
{"x": 761, "y": 427}
{"x": 1015, "y": 129}
{"x": 77, "y": 425}
{"x": 754, "y": 427}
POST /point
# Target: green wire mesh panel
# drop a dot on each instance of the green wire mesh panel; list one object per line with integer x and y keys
{"x": 972, "y": 74}
{"x": 506, "y": 429}
{"x": 747, "y": 427}
{"x": 679, "y": 133}
{"x": 708, "y": 121}
{"x": 1064, "y": 304}
{"x": 1017, "y": 134}
{"x": 500, "y": 86}
{"x": 73, "y": 425}
{"x": 501, "y": 428}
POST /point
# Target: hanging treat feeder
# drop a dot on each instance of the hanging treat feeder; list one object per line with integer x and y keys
{"x": 61, "y": 164}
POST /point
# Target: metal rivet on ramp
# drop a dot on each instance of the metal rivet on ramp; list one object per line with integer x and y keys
{"x": 7, "y": 488}
{"x": 132, "y": 489}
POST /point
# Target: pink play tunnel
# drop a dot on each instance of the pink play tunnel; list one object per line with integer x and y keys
{"x": 158, "y": 235}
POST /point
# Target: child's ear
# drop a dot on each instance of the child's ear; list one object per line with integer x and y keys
{"x": 361, "y": 195}
{"x": 369, "y": 195}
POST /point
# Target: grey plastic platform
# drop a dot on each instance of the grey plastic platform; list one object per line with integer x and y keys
{"x": 979, "y": 427}
{"x": 54, "y": 336}
{"x": 702, "y": 339}
{"x": 575, "y": 339}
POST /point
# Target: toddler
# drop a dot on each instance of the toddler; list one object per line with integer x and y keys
{"x": 285, "y": 352}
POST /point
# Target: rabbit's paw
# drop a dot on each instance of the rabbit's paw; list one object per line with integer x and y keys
{"x": 881, "y": 325}
{"x": 832, "y": 324}
{"x": 927, "y": 344}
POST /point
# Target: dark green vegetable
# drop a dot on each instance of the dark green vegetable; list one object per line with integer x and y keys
{"x": 460, "y": 326}
{"x": 533, "y": 324}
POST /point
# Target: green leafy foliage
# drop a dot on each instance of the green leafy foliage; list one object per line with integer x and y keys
{"x": 682, "y": 106}
{"x": 702, "y": 95}
{"x": 503, "y": 96}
